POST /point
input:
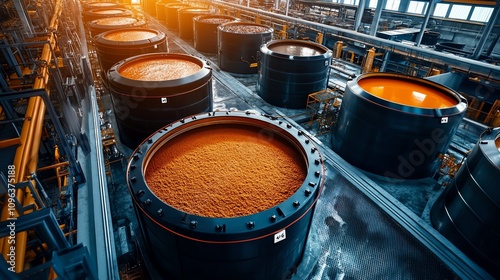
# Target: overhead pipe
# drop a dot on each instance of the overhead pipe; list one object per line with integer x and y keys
{"x": 26, "y": 157}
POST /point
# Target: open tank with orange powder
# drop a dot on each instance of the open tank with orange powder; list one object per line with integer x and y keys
{"x": 101, "y": 25}
{"x": 226, "y": 195}
{"x": 395, "y": 125}
{"x": 115, "y": 45}
{"x": 151, "y": 90}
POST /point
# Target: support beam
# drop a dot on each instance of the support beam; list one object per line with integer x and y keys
{"x": 487, "y": 31}
{"x": 430, "y": 11}
{"x": 376, "y": 17}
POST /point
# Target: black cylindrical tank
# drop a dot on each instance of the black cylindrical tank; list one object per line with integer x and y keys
{"x": 289, "y": 70}
{"x": 468, "y": 211}
{"x": 102, "y": 25}
{"x": 185, "y": 17}
{"x": 209, "y": 233}
{"x": 149, "y": 6}
{"x": 160, "y": 9}
{"x": 395, "y": 125}
{"x": 238, "y": 45}
{"x": 205, "y": 31}
{"x": 172, "y": 15}
{"x": 151, "y": 90}
{"x": 98, "y": 13}
{"x": 115, "y": 45}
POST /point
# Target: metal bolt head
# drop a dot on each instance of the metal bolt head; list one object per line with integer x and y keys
{"x": 296, "y": 203}
{"x": 193, "y": 224}
{"x": 251, "y": 224}
{"x": 273, "y": 218}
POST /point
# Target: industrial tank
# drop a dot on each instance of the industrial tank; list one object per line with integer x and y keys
{"x": 205, "y": 31}
{"x": 238, "y": 45}
{"x": 160, "y": 9}
{"x": 115, "y": 45}
{"x": 172, "y": 15}
{"x": 149, "y": 6}
{"x": 151, "y": 90}
{"x": 98, "y": 13}
{"x": 468, "y": 211}
{"x": 289, "y": 70}
{"x": 225, "y": 195}
{"x": 185, "y": 17}
{"x": 99, "y": 5}
{"x": 395, "y": 125}
{"x": 102, "y": 25}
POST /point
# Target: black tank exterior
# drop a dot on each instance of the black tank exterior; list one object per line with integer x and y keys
{"x": 142, "y": 107}
{"x": 205, "y": 33}
{"x": 238, "y": 51}
{"x": 186, "y": 16}
{"x": 172, "y": 14}
{"x": 289, "y": 70}
{"x": 468, "y": 211}
{"x": 111, "y": 51}
{"x": 265, "y": 245}
{"x": 390, "y": 139}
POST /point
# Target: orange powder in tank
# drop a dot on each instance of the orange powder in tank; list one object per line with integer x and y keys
{"x": 408, "y": 93}
{"x": 130, "y": 35}
{"x": 225, "y": 172}
{"x": 108, "y": 12}
{"x": 116, "y": 21}
{"x": 159, "y": 69}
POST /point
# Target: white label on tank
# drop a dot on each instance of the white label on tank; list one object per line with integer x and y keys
{"x": 163, "y": 100}
{"x": 280, "y": 236}
{"x": 444, "y": 120}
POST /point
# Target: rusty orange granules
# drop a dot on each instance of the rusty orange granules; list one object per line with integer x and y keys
{"x": 225, "y": 171}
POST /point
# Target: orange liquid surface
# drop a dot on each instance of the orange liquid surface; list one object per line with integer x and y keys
{"x": 407, "y": 93}
{"x": 160, "y": 69}
{"x": 109, "y": 12}
{"x": 128, "y": 36}
{"x": 296, "y": 50}
{"x": 116, "y": 21}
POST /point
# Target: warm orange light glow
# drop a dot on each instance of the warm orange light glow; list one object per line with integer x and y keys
{"x": 407, "y": 92}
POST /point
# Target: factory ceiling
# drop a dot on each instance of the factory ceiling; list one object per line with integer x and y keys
{"x": 472, "y": 2}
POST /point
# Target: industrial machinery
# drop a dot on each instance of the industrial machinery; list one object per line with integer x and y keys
{"x": 91, "y": 127}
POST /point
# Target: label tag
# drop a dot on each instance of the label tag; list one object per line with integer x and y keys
{"x": 163, "y": 100}
{"x": 280, "y": 236}
{"x": 444, "y": 120}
